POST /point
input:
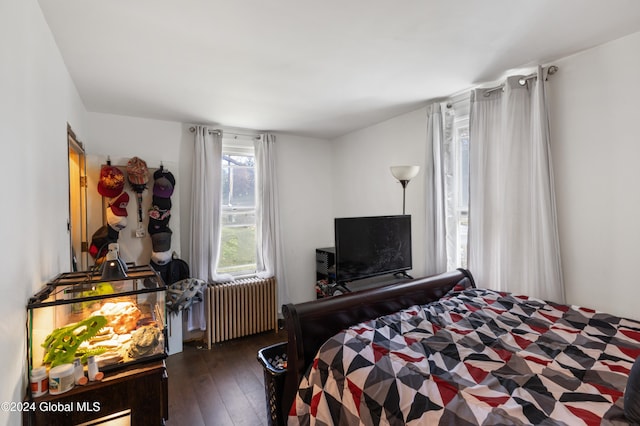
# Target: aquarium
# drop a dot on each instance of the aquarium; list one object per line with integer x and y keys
{"x": 79, "y": 315}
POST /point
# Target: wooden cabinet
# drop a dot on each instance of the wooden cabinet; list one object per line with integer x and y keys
{"x": 139, "y": 393}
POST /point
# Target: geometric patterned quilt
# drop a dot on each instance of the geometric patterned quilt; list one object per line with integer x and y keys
{"x": 474, "y": 357}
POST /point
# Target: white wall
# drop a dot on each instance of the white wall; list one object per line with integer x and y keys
{"x": 154, "y": 141}
{"x": 306, "y": 208}
{"x": 38, "y": 99}
{"x": 363, "y": 184}
{"x": 594, "y": 101}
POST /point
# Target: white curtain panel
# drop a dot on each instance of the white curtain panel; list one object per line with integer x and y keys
{"x": 435, "y": 241}
{"x": 513, "y": 236}
{"x": 205, "y": 216}
{"x": 269, "y": 257}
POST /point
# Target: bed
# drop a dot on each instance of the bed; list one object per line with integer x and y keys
{"x": 438, "y": 350}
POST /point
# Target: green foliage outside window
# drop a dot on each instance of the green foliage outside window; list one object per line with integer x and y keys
{"x": 238, "y": 249}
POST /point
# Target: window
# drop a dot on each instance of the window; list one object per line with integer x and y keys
{"x": 457, "y": 183}
{"x": 461, "y": 179}
{"x": 238, "y": 209}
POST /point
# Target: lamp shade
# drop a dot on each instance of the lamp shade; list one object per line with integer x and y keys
{"x": 113, "y": 268}
{"x": 404, "y": 172}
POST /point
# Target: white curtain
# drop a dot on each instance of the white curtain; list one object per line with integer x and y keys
{"x": 435, "y": 230}
{"x": 206, "y": 189}
{"x": 513, "y": 236}
{"x": 269, "y": 244}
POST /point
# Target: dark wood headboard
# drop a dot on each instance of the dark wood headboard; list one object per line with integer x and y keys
{"x": 310, "y": 324}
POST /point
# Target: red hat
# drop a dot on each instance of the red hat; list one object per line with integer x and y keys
{"x": 116, "y": 222}
{"x": 111, "y": 181}
{"x": 119, "y": 204}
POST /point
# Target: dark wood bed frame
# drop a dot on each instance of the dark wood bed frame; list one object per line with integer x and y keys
{"x": 310, "y": 324}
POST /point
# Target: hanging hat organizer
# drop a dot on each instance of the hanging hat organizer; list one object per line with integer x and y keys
{"x": 159, "y": 216}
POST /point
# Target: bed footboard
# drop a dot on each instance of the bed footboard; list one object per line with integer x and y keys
{"x": 310, "y": 324}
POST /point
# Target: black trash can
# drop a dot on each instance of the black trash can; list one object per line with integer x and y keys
{"x": 274, "y": 362}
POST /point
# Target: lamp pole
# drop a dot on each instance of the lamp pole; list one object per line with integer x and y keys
{"x": 404, "y": 184}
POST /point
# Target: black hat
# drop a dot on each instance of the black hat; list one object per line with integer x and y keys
{"x": 101, "y": 239}
{"x": 158, "y": 225}
{"x": 161, "y": 203}
{"x": 161, "y": 241}
{"x": 158, "y": 216}
{"x": 164, "y": 183}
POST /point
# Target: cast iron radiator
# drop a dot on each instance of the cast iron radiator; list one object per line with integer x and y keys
{"x": 240, "y": 308}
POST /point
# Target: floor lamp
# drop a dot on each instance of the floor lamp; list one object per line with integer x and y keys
{"x": 404, "y": 174}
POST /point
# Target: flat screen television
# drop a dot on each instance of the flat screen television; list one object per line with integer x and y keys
{"x": 372, "y": 246}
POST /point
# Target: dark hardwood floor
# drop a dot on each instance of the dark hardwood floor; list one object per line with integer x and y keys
{"x": 219, "y": 387}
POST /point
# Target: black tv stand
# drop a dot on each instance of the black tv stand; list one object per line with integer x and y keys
{"x": 327, "y": 285}
{"x": 403, "y": 274}
{"x": 337, "y": 289}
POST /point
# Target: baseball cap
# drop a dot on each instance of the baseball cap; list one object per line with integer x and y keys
{"x": 137, "y": 171}
{"x": 111, "y": 182}
{"x": 116, "y": 222}
{"x": 164, "y": 182}
{"x": 119, "y": 204}
{"x": 161, "y": 241}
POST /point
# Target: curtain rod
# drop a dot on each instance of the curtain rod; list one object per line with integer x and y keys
{"x": 523, "y": 80}
{"x": 458, "y": 99}
{"x": 192, "y": 129}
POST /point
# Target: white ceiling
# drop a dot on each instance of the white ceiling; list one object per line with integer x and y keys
{"x": 316, "y": 68}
